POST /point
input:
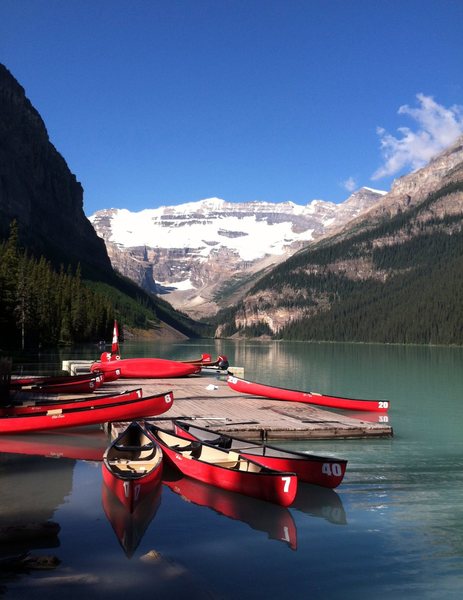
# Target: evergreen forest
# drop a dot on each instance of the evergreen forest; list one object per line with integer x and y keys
{"x": 41, "y": 306}
{"x": 414, "y": 293}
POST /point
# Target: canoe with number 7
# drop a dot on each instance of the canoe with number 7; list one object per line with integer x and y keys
{"x": 278, "y": 393}
{"x": 318, "y": 470}
{"x": 225, "y": 469}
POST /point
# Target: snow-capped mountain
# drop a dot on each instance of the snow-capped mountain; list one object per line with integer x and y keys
{"x": 192, "y": 250}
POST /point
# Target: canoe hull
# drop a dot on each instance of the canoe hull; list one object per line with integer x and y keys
{"x": 53, "y": 403}
{"x": 318, "y": 470}
{"x": 276, "y": 393}
{"x": 272, "y": 486}
{"x": 147, "y": 368}
{"x": 132, "y": 466}
{"x": 59, "y": 384}
{"x": 76, "y": 417}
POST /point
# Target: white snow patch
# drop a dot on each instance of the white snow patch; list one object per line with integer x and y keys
{"x": 382, "y": 192}
{"x": 178, "y": 285}
{"x": 256, "y": 237}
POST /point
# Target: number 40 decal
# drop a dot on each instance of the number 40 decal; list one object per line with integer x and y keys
{"x": 331, "y": 469}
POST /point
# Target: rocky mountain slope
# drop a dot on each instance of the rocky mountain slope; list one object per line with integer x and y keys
{"x": 206, "y": 254}
{"x": 393, "y": 274}
{"x": 38, "y": 189}
{"x": 39, "y": 192}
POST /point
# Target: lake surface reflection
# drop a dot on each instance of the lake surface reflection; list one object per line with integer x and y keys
{"x": 393, "y": 529}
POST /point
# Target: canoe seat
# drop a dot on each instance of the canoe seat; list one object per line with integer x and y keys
{"x": 194, "y": 448}
{"x": 222, "y": 441}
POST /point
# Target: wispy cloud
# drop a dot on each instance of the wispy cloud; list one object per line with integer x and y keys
{"x": 438, "y": 127}
{"x": 349, "y": 184}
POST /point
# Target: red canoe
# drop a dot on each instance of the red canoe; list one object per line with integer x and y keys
{"x": 225, "y": 468}
{"x": 206, "y": 362}
{"x": 56, "y": 403}
{"x": 60, "y": 384}
{"x": 277, "y": 393}
{"x": 318, "y": 470}
{"x": 147, "y": 368}
{"x": 108, "y": 376}
{"x": 72, "y": 416}
{"x": 132, "y": 465}
{"x": 276, "y": 521}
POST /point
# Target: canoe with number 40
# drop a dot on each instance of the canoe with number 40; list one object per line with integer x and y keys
{"x": 318, "y": 470}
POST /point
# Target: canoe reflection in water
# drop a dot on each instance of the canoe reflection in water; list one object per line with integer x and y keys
{"x": 76, "y": 444}
{"x": 273, "y": 519}
{"x": 321, "y": 502}
{"x": 130, "y": 527}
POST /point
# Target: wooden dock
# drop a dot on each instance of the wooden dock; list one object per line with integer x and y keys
{"x": 207, "y": 400}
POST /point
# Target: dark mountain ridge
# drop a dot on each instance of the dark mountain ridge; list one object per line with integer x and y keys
{"x": 39, "y": 193}
{"x": 38, "y": 190}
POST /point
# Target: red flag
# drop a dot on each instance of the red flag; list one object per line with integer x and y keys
{"x": 115, "y": 343}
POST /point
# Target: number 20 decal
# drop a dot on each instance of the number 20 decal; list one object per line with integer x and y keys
{"x": 383, "y": 404}
{"x": 332, "y": 469}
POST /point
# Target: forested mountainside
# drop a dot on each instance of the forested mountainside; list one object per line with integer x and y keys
{"x": 394, "y": 276}
{"x": 39, "y": 193}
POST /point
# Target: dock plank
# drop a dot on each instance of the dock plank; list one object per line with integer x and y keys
{"x": 207, "y": 400}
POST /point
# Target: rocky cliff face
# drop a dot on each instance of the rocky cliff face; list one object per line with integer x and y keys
{"x": 413, "y": 189}
{"x": 38, "y": 189}
{"x": 206, "y": 254}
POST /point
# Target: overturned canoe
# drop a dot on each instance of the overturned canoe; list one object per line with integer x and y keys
{"x": 132, "y": 465}
{"x": 277, "y": 393}
{"x": 72, "y": 416}
{"x": 147, "y": 368}
{"x": 319, "y": 470}
{"x": 225, "y": 468}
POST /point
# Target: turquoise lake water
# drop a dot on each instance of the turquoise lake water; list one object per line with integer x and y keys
{"x": 392, "y": 529}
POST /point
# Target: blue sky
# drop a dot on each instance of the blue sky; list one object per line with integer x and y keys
{"x": 161, "y": 102}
